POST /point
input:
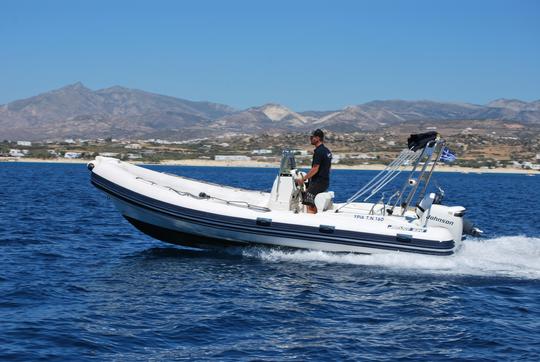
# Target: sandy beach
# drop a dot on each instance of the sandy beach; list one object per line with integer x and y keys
{"x": 213, "y": 163}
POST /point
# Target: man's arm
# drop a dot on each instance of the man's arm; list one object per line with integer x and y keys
{"x": 309, "y": 175}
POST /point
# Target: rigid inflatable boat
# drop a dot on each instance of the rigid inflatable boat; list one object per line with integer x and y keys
{"x": 199, "y": 214}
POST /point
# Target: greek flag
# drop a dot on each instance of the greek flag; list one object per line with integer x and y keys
{"x": 447, "y": 156}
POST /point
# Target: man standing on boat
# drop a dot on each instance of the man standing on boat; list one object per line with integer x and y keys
{"x": 319, "y": 175}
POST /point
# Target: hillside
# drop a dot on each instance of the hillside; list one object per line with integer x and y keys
{"x": 76, "y": 111}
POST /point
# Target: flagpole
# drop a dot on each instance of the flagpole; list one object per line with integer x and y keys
{"x": 424, "y": 189}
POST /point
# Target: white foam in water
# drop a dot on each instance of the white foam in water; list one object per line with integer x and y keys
{"x": 514, "y": 256}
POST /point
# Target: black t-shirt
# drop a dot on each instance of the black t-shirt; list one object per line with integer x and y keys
{"x": 322, "y": 157}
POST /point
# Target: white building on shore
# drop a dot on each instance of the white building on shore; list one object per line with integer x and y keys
{"x": 301, "y": 152}
{"x": 232, "y": 158}
{"x": 336, "y": 158}
{"x": 16, "y": 153}
{"x": 108, "y": 154}
{"x": 24, "y": 143}
{"x": 363, "y": 156}
{"x": 261, "y": 152}
{"x": 72, "y": 155}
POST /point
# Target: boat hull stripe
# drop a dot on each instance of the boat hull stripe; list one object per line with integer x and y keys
{"x": 307, "y": 233}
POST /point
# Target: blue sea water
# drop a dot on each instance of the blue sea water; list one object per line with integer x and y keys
{"x": 77, "y": 282}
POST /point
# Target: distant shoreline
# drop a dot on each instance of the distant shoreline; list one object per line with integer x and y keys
{"x": 213, "y": 163}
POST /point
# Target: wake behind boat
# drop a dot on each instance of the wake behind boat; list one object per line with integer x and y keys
{"x": 194, "y": 213}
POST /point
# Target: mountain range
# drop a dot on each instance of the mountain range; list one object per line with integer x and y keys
{"x": 76, "y": 111}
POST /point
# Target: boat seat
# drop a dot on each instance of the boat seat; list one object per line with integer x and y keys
{"x": 323, "y": 201}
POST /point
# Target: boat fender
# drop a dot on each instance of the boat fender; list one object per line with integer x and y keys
{"x": 404, "y": 238}
{"x": 327, "y": 229}
{"x": 90, "y": 166}
{"x": 264, "y": 221}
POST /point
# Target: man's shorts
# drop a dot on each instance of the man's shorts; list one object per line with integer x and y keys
{"x": 313, "y": 189}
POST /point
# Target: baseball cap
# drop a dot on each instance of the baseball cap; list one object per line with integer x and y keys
{"x": 319, "y": 133}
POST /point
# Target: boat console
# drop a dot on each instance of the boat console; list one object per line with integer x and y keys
{"x": 287, "y": 195}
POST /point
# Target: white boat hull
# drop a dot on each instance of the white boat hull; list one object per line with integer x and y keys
{"x": 184, "y": 233}
{"x": 187, "y": 220}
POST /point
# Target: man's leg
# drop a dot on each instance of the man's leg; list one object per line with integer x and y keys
{"x": 309, "y": 202}
{"x": 309, "y": 199}
{"x": 311, "y": 209}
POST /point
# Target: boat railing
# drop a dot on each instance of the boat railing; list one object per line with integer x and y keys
{"x": 423, "y": 150}
{"x": 430, "y": 155}
{"x": 205, "y": 196}
{"x": 212, "y": 183}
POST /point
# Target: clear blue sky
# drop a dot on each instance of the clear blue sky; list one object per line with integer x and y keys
{"x": 316, "y": 55}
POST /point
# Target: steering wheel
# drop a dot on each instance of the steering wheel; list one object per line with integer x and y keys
{"x": 298, "y": 174}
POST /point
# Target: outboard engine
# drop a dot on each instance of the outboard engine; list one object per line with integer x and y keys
{"x": 285, "y": 193}
{"x": 470, "y": 229}
{"x": 449, "y": 217}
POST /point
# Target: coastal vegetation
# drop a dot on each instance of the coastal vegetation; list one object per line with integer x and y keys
{"x": 483, "y": 145}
